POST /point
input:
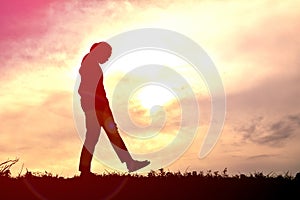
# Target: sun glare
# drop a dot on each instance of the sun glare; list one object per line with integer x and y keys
{"x": 153, "y": 95}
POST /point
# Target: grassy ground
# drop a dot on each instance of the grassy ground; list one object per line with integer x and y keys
{"x": 156, "y": 185}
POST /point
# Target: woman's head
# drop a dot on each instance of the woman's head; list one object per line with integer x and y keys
{"x": 101, "y": 51}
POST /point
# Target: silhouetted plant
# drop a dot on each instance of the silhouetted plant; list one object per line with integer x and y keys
{"x": 259, "y": 175}
{"x": 216, "y": 173}
{"x": 208, "y": 173}
{"x": 297, "y": 177}
{"x": 224, "y": 173}
{"x": 288, "y": 176}
{"x": 5, "y": 167}
{"x": 159, "y": 184}
{"x": 243, "y": 176}
{"x": 152, "y": 173}
{"x": 161, "y": 172}
{"x": 169, "y": 174}
{"x": 194, "y": 173}
{"x": 201, "y": 174}
{"x": 178, "y": 174}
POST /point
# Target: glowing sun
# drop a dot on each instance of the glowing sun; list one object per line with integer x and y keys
{"x": 153, "y": 95}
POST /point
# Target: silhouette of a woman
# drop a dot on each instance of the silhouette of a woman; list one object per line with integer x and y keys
{"x": 97, "y": 111}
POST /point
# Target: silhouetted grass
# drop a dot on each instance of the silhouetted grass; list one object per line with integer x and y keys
{"x": 156, "y": 185}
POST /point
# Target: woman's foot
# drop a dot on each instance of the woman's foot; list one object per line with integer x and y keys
{"x": 87, "y": 174}
{"x": 135, "y": 165}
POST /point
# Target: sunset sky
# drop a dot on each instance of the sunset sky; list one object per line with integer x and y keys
{"x": 255, "y": 46}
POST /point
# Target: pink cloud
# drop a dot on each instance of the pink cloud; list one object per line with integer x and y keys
{"x": 22, "y": 18}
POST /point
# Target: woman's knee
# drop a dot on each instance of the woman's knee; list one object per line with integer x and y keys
{"x": 92, "y": 137}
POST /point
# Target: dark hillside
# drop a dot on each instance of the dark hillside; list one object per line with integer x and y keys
{"x": 157, "y": 185}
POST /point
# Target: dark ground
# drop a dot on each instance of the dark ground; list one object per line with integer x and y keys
{"x": 157, "y": 185}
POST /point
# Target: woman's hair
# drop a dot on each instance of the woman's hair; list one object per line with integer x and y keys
{"x": 103, "y": 44}
{"x": 94, "y": 46}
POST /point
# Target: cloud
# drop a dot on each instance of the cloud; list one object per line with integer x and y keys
{"x": 261, "y": 156}
{"x": 40, "y": 134}
{"x": 276, "y": 95}
{"x": 22, "y": 19}
{"x": 274, "y": 133}
{"x": 295, "y": 118}
{"x": 257, "y": 47}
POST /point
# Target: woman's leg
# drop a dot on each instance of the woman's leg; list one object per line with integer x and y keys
{"x": 91, "y": 139}
{"x": 106, "y": 120}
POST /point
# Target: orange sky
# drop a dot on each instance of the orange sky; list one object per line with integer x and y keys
{"x": 254, "y": 45}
